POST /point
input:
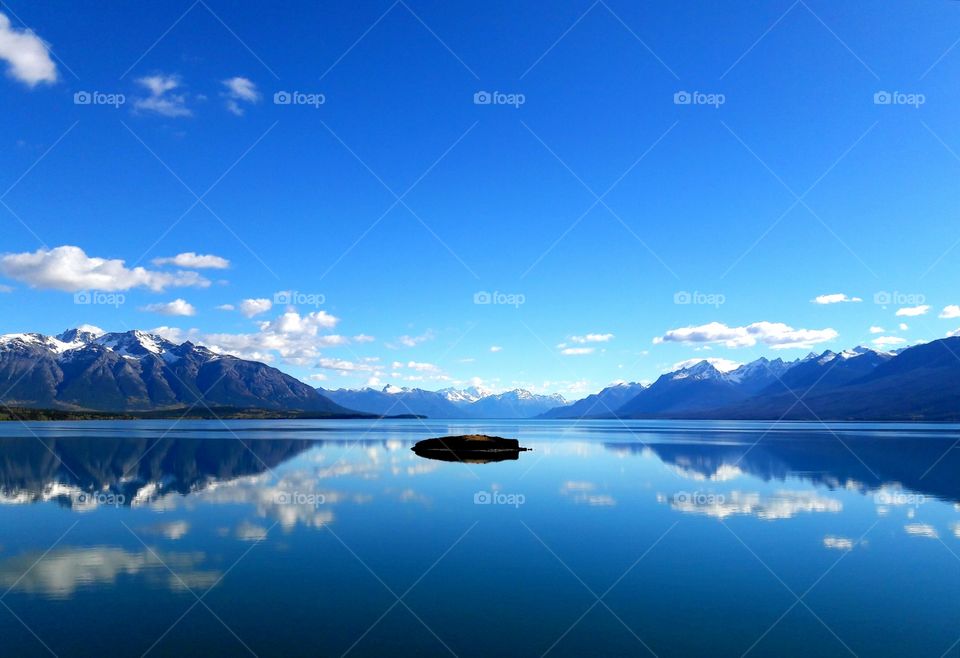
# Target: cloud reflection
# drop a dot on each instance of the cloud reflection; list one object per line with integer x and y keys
{"x": 781, "y": 505}
{"x": 63, "y": 571}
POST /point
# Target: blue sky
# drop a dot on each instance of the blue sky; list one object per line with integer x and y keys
{"x": 818, "y": 154}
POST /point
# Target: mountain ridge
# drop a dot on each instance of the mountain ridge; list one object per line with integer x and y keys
{"x": 138, "y": 371}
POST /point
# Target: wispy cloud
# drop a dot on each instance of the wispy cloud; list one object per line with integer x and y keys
{"x": 179, "y": 307}
{"x": 835, "y": 298}
{"x": 162, "y": 98}
{"x": 912, "y": 311}
{"x": 239, "y": 90}
{"x": 194, "y": 261}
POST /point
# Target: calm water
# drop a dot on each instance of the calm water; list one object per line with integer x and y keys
{"x": 307, "y": 538}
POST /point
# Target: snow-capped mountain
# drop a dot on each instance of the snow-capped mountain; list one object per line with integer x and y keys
{"x": 473, "y": 402}
{"x": 834, "y": 382}
{"x": 85, "y": 368}
{"x": 394, "y": 400}
{"x": 468, "y": 395}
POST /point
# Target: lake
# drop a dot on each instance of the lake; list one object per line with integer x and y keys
{"x": 330, "y": 538}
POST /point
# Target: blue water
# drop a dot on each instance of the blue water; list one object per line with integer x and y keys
{"x": 317, "y": 538}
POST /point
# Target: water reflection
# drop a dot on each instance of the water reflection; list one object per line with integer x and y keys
{"x": 83, "y": 473}
{"x": 896, "y": 471}
{"x": 61, "y": 572}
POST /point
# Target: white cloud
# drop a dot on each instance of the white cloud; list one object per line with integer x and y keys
{"x": 950, "y": 312}
{"x": 412, "y": 341}
{"x": 317, "y": 377}
{"x": 496, "y": 348}
{"x": 177, "y": 307}
{"x": 5, "y": 289}
{"x": 296, "y": 338}
{"x": 252, "y": 307}
{"x": 838, "y": 543}
{"x": 162, "y": 98}
{"x": 577, "y": 351}
{"x": 775, "y": 335}
{"x": 91, "y": 329}
{"x": 876, "y": 330}
{"x": 240, "y": 90}
{"x": 723, "y": 365}
{"x": 226, "y": 307}
{"x": 194, "y": 261}
{"x": 344, "y": 365}
{"x": 834, "y": 298}
{"x": 921, "y": 530}
{"x": 912, "y": 311}
{"x": 423, "y": 367}
{"x": 591, "y": 338}
{"x": 904, "y": 326}
{"x": 886, "y": 341}
{"x": 26, "y": 55}
{"x": 69, "y": 269}
{"x": 363, "y": 338}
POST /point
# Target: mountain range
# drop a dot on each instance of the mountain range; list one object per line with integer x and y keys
{"x": 473, "y": 402}
{"x": 916, "y": 383}
{"x": 136, "y": 371}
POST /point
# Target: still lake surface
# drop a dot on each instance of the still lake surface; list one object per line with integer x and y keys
{"x": 316, "y": 538}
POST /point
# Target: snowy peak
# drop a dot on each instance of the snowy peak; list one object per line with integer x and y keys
{"x": 469, "y": 394}
{"x": 136, "y": 344}
{"x": 698, "y": 371}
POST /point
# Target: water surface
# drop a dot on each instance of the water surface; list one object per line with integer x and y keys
{"x": 307, "y": 538}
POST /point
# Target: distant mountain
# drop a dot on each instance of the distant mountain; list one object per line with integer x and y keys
{"x": 393, "y": 400}
{"x": 446, "y": 403}
{"x": 605, "y": 402}
{"x": 137, "y": 371}
{"x": 518, "y": 403}
{"x": 918, "y": 383}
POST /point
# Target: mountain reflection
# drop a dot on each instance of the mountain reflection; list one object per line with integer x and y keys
{"x": 84, "y": 472}
{"x": 882, "y": 466}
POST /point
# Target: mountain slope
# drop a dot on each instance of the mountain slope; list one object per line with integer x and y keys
{"x": 136, "y": 371}
{"x": 695, "y": 388}
{"x": 603, "y": 403}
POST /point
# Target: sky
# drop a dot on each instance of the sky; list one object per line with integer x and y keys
{"x": 438, "y": 194}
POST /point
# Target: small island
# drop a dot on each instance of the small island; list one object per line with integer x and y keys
{"x": 469, "y": 448}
